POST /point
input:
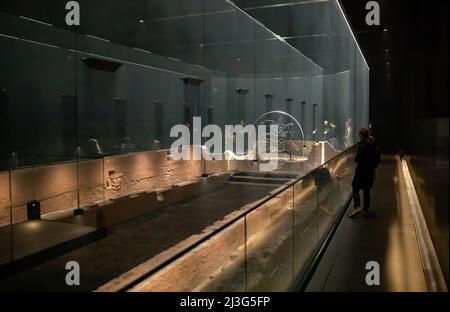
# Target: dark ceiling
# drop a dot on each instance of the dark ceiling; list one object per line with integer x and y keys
{"x": 407, "y": 55}
{"x": 411, "y": 55}
{"x": 177, "y": 29}
{"x": 409, "y": 67}
{"x": 409, "y": 61}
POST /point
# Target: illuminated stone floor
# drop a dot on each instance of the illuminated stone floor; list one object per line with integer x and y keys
{"x": 135, "y": 241}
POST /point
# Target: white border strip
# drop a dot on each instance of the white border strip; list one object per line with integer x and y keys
{"x": 431, "y": 267}
{"x": 238, "y": 9}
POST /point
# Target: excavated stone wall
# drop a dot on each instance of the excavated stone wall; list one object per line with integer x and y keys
{"x": 59, "y": 187}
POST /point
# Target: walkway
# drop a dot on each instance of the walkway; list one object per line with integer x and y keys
{"x": 388, "y": 238}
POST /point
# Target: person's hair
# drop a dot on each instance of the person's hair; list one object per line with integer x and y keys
{"x": 364, "y": 133}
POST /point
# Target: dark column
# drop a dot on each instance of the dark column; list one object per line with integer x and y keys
{"x": 192, "y": 107}
{"x": 69, "y": 127}
{"x": 289, "y": 105}
{"x": 242, "y": 104}
{"x": 314, "y": 121}
{"x": 303, "y": 116}
{"x": 269, "y": 97}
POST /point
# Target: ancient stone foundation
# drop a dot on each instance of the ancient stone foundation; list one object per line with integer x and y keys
{"x": 63, "y": 187}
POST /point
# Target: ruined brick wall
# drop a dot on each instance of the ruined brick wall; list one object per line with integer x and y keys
{"x": 217, "y": 167}
{"x": 59, "y": 187}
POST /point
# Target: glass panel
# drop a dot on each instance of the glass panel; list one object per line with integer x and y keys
{"x": 325, "y": 206}
{"x": 344, "y": 174}
{"x": 91, "y": 193}
{"x": 87, "y": 111}
{"x": 305, "y": 221}
{"x": 230, "y": 93}
{"x": 269, "y": 248}
{"x": 6, "y": 251}
{"x": 362, "y": 92}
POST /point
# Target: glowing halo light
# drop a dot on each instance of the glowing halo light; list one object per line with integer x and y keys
{"x": 255, "y": 124}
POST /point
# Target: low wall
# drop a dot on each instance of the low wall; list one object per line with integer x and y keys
{"x": 115, "y": 211}
{"x": 63, "y": 187}
{"x": 59, "y": 187}
{"x": 197, "y": 269}
{"x": 268, "y": 230}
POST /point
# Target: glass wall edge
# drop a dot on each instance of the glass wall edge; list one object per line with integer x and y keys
{"x": 344, "y": 15}
{"x": 271, "y": 32}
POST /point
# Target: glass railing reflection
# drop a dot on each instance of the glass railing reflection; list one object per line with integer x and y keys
{"x": 269, "y": 246}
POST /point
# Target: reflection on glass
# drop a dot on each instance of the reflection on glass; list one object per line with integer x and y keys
{"x": 305, "y": 222}
{"x": 269, "y": 245}
{"x": 86, "y": 115}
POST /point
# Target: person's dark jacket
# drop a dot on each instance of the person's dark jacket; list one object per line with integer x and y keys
{"x": 365, "y": 170}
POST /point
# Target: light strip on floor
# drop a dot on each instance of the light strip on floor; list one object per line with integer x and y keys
{"x": 431, "y": 267}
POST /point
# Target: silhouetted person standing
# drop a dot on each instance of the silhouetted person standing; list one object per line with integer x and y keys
{"x": 329, "y": 133}
{"x": 367, "y": 159}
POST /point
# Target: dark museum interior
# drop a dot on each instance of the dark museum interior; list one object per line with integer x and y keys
{"x": 88, "y": 168}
